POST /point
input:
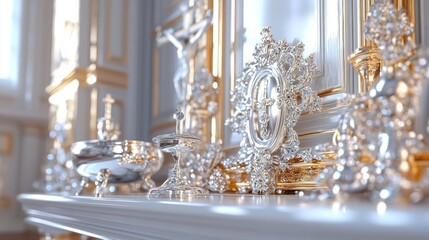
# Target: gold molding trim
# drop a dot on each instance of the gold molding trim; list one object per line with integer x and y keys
{"x": 77, "y": 73}
{"x": 103, "y": 75}
{"x": 219, "y": 56}
{"x": 107, "y": 19}
{"x": 6, "y": 143}
{"x": 297, "y": 186}
{"x": 331, "y": 91}
{"x": 5, "y": 202}
{"x": 419, "y": 162}
{"x": 108, "y": 76}
{"x": 64, "y": 236}
{"x": 316, "y": 133}
{"x": 155, "y": 82}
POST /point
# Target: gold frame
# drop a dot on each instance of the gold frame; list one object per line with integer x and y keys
{"x": 6, "y": 137}
{"x": 109, "y": 56}
{"x": 5, "y": 202}
{"x": 104, "y": 76}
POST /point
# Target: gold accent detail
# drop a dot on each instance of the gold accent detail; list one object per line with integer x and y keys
{"x": 316, "y": 133}
{"x": 104, "y": 76}
{"x": 219, "y": 57}
{"x": 6, "y": 143}
{"x": 300, "y": 176}
{"x": 366, "y": 60}
{"x": 419, "y": 162}
{"x": 155, "y": 83}
{"x": 109, "y": 57}
{"x": 77, "y": 73}
{"x": 64, "y": 236}
{"x": 297, "y": 186}
{"x": 109, "y": 76}
{"x": 209, "y": 41}
{"x": 237, "y": 180}
{"x": 363, "y": 10}
{"x": 330, "y": 91}
{"x": 5, "y": 202}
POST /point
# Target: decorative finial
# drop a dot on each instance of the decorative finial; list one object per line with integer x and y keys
{"x": 108, "y": 101}
{"x": 178, "y": 116}
{"x": 107, "y": 129}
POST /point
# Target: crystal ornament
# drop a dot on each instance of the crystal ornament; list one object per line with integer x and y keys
{"x": 391, "y": 30}
{"x": 267, "y": 101}
{"x": 59, "y": 174}
{"x": 375, "y": 136}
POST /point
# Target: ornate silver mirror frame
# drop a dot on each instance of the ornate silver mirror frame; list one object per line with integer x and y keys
{"x": 331, "y": 24}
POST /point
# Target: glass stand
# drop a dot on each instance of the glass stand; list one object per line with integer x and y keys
{"x": 177, "y": 186}
{"x": 179, "y": 146}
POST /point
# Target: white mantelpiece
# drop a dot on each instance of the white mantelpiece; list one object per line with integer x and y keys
{"x": 226, "y": 216}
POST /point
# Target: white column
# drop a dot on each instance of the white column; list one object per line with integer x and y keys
{"x": 32, "y": 151}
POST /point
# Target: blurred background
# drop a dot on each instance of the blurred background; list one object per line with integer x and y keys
{"x": 58, "y": 59}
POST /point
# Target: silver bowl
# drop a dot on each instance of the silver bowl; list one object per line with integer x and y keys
{"x": 104, "y": 162}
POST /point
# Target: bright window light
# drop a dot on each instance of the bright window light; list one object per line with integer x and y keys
{"x": 10, "y": 26}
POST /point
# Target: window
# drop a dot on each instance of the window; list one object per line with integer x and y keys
{"x": 10, "y": 35}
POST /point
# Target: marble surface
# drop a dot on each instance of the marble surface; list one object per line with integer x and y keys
{"x": 225, "y": 216}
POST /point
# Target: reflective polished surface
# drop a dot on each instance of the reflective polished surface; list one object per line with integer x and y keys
{"x": 106, "y": 162}
{"x": 226, "y": 216}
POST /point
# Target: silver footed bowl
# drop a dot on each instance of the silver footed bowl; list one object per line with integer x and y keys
{"x": 104, "y": 162}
